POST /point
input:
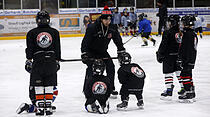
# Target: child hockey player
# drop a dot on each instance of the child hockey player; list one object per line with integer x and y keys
{"x": 132, "y": 19}
{"x": 168, "y": 55}
{"x": 98, "y": 90}
{"x": 198, "y": 24}
{"x": 145, "y": 30}
{"x": 43, "y": 53}
{"x": 188, "y": 52}
{"x": 131, "y": 76}
{"x": 124, "y": 23}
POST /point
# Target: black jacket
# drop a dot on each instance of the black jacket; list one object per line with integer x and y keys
{"x": 162, "y": 13}
{"x": 132, "y": 76}
{"x": 41, "y": 41}
{"x": 94, "y": 40}
{"x": 170, "y": 43}
{"x": 99, "y": 87}
{"x": 188, "y": 49}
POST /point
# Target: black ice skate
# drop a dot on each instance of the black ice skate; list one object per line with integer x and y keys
{"x": 40, "y": 112}
{"x": 22, "y": 107}
{"x": 114, "y": 94}
{"x": 53, "y": 108}
{"x": 123, "y": 105}
{"x": 92, "y": 108}
{"x": 154, "y": 42}
{"x": 48, "y": 108}
{"x": 181, "y": 91}
{"x": 140, "y": 104}
{"x": 187, "y": 97}
{"x": 145, "y": 44}
{"x": 167, "y": 94}
{"x": 103, "y": 108}
{"x": 40, "y": 109}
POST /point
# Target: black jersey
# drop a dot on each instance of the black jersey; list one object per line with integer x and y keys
{"x": 42, "y": 41}
{"x": 99, "y": 87}
{"x": 131, "y": 75}
{"x": 188, "y": 48}
{"x": 170, "y": 43}
{"x": 98, "y": 37}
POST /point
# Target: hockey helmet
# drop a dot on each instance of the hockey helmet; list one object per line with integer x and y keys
{"x": 188, "y": 20}
{"x": 43, "y": 18}
{"x": 98, "y": 67}
{"x": 106, "y": 13}
{"x": 141, "y": 16}
{"x": 131, "y": 9}
{"x": 174, "y": 20}
{"x": 124, "y": 58}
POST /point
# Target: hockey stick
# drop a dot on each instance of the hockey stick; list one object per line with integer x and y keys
{"x": 128, "y": 40}
{"x": 71, "y": 60}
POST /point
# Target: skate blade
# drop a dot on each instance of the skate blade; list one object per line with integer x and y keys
{"x": 122, "y": 109}
{"x": 18, "y": 111}
{"x": 141, "y": 107}
{"x": 168, "y": 98}
{"x": 186, "y": 100}
{"x": 113, "y": 97}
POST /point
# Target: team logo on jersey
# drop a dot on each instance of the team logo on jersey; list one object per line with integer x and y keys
{"x": 44, "y": 40}
{"x": 99, "y": 88}
{"x": 178, "y": 38}
{"x": 109, "y": 35}
{"x": 137, "y": 72}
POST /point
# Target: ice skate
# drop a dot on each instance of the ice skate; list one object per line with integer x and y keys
{"x": 40, "y": 112}
{"x": 181, "y": 91}
{"x": 154, "y": 42}
{"x": 140, "y": 104}
{"x": 114, "y": 94}
{"x": 145, "y": 44}
{"x": 167, "y": 94}
{"x": 123, "y": 105}
{"x": 187, "y": 97}
{"x": 92, "y": 108}
{"x": 103, "y": 108}
{"x": 22, "y": 107}
{"x": 40, "y": 109}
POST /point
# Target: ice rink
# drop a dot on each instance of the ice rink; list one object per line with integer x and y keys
{"x": 14, "y": 82}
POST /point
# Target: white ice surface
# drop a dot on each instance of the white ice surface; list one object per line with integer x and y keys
{"x": 14, "y": 82}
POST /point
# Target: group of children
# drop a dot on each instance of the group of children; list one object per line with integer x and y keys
{"x": 125, "y": 21}
{"x": 177, "y": 52}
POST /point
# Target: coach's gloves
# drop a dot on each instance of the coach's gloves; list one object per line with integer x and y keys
{"x": 85, "y": 57}
{"x": 57, "y": 65}
{"x": 120, "y": 53}
{"x": 28, "y": 66}
{"x": 159, "y": 57}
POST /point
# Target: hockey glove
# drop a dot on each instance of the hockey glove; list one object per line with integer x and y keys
{"x": 57, "y": 65}
{"x": 85, "y": 57}
{"x": 28, "y": 66}
{"x": 159, "y": 57}
{"x": 119, "y": 53}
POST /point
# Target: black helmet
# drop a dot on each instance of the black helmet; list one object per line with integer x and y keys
{"x": 141, "y": 16}
{"x": 124, "y": 58}
{"x": 98, "y": 67}
{"x": 188, "y": 20}
{"x": 131, "y": 9}
{"x": 174, "y": 20}
{"x": 43, "y": 18}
